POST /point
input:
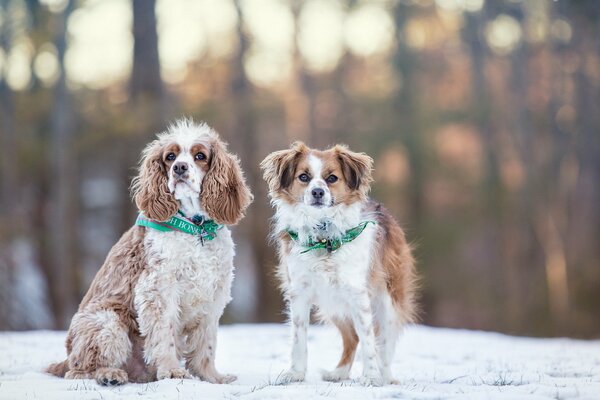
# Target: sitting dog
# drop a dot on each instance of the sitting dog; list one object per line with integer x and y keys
{"x": 158, "y": 297}
{"x": 341, "y": 252}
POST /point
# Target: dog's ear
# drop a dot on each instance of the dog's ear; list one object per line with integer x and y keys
{"x": 279, "y": 167}
{"x": 356, "y": 167}
{"x": 150, "y": 187}
{"x": 225, "y": 195}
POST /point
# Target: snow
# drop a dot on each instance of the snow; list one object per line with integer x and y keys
{"x": 431, "y": 363}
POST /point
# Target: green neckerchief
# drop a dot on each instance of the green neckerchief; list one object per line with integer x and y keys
{"x": 206, "y": 229}
{"x": 331, "y": 244}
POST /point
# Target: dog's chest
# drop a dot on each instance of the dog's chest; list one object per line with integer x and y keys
{"x": 329, "y": 278}
{"x": 197, "y": 275}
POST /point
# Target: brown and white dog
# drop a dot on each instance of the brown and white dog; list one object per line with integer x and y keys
{"x": 158, "y": 297}
{"x": 341, "y": 252}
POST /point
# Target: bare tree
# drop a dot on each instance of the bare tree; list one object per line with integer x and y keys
{"x": 145, "y": 82}
{"x": 307, "y": 84}
{"x": 244, "y": 129}
{"x": 405, "y": 63}
{"x": 491, "y": 189}
{"x": 62, "y": 226}
{"x": 147, "y": 99}
{"x": 8, "y": 198}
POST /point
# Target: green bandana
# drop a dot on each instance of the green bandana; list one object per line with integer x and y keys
{"x": 206, "y": 229}
{"x": 331, "y": 244}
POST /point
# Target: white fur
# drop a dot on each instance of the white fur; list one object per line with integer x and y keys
{"x": 336, "y": 283}
{"x": 180, "y": 298}
{"x": 186, "y": 137}
{"x": 302, "y": 218}
{"x": 182, "y": 294}
{"x": 316, "y": 165}
{"x": 390, "y": 325}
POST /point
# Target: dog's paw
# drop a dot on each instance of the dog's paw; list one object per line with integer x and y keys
{"x": 111, "y": 376}
{"x": 174, "y": 373}
{"x": 388, "y": 378}
{"x": 338, "y": 374}
{"x": 290, "y": 376}
{"x": 217, "y": 378}
{"x": 224, "y": 379}
{"x": 371, "y": 380}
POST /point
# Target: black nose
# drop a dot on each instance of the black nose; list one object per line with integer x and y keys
{"x": 180, "y": 168}
{"x": 318, "y": 193}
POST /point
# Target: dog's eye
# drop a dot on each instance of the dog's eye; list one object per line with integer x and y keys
{"x": 200, "y": 156}
{"x": 331, "y": 179}
{"x": 304, "y": 178}
{"x": 170, "y": 156}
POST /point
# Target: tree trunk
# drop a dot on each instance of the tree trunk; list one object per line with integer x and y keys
{"x": 9, "y": 187}
{"x": 405, "y": 64}
{"x": 145, "y": 75}
{"x": 307, "y": 90}
{"x": 63, "y": 280}
{"x": 244, "y": 127}
{"x": 148, "y": 102}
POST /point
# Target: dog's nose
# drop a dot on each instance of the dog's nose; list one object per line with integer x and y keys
{"x": 318, "y": 193}
{"x": 180, "y": 168}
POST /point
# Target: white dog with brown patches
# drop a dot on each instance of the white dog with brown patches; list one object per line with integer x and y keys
{"x": 341, "y": 252}
{"x": 158, "y": 297}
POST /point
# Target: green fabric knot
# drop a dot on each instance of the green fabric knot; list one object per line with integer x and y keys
{"x": 331, "y": 244}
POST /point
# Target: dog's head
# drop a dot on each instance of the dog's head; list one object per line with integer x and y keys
{"x": 189, "y": 160}
{"x": 317, "y": 178}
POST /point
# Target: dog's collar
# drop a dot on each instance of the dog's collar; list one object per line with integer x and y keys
{"x": 330, "y": 244}
{"x": 206, "y": 229}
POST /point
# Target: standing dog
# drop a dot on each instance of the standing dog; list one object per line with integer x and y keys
{"x": 163, "y": 287}
{"x": 343, "y": 253}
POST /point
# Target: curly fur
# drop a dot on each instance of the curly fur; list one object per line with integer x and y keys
{"x": 158, "y": 297}
{"x": 150, "y": 190}
{"x": 225, "y": 195}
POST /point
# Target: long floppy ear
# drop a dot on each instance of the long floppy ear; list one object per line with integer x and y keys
{"x": 150, "y": 188}
{"x": 357, "y": 169}
{"x": 225, "y": 195}
{"x": 278, "y": 167}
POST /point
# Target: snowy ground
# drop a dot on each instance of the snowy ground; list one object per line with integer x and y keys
{"x": 430, "y": 363}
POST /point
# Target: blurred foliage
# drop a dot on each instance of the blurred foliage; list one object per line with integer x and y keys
{"x": 482, "y": 118}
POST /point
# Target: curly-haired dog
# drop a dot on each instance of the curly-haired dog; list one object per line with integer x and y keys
{"x": 343, "y": 253}
{"x": 158, "y": 297}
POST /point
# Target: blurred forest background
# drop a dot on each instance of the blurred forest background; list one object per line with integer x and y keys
{"x": 483, "y": 118}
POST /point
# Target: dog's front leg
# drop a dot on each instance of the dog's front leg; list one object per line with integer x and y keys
{"x": 202, "y": 345}
{"x": 363, "y": 323}
{"x": 300, "y": 305}
{"x": 157, "y": 318}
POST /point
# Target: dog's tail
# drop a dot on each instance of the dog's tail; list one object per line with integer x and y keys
{"x": 58, "y": 369}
